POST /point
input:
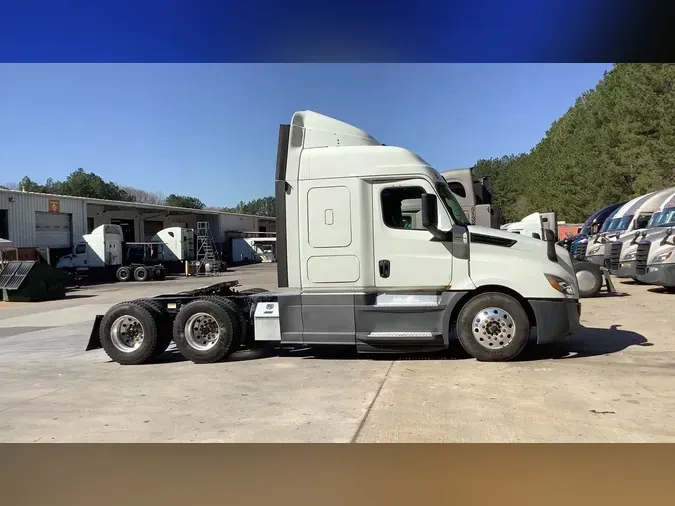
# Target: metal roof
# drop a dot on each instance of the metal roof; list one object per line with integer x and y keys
{"x": 118, "y": 203}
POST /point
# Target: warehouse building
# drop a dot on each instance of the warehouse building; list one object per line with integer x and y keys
{"x": 37, "y": 220}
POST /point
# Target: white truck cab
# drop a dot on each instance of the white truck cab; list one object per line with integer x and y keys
{"x": 100, "y": 249}
{"x": 533, "y": 225}
{"x": 623, "y": 221}
{"x": 623, "y": 250}
{"x": 655, "y": 253}
{"x": 362, "y": 274}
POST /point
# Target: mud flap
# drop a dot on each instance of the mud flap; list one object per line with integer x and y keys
{"x": 94, "y": 337}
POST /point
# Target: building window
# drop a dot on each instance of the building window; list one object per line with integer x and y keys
{"x": 402, "y": 206}
{"x": 90, "y": 224}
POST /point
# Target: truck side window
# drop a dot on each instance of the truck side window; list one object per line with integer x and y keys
{"x": 457, "y": 188}
{"x": 401, "y": 207}
{"x": 80, "y": 249}
{"x": 642, "y": 220}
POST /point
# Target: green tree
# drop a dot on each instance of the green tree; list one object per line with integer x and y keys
{"x": 616, "y": 142}
{"x": 184, "y": 201}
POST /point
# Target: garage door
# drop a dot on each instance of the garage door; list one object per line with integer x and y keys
{"x": 150, "y": 228}
{"x": 52, "y": 230}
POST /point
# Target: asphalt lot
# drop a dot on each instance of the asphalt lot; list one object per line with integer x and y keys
{"x": 614, "y": 384}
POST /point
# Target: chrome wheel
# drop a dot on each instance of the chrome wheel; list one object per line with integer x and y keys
{"x": 493, "y": 328}
{"x": 586, "y": 281}
{"x": 126, "y": 334}
{"x": 202, "y": 331}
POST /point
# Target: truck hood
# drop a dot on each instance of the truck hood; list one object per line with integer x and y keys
{"x": 524, "y": 242}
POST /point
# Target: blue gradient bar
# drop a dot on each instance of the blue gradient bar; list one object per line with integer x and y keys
{"x": 274, "y": 31}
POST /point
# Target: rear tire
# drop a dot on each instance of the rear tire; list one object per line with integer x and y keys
{"x": 204, "y": 331}
{"x": 239, "y": 320}
{"x": 589, "y": 278}
{"x": 119, "y": 331}
{"x": 141, "y": 274}
{"x": 162, "y": 320}
{"x": 123, "y": 274}
{"x": 493, "y": 327}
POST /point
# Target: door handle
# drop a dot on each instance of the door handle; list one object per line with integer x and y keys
{"x": 384, "y": 268}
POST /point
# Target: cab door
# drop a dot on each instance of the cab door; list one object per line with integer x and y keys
{"x": 406, "y": 255}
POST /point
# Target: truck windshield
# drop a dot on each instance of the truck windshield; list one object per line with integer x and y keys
{"x": 451, "y": 204}
{"x": 624, "y": 223}
{"x": 654, "y": 220}
{"x": 609, "y": 225}
{"x": 667, "y": 217}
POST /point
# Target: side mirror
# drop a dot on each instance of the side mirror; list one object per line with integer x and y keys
{"x": 429, "y": 210}
{"x": 550, "y": 245}
{"x": 669, "y": 232}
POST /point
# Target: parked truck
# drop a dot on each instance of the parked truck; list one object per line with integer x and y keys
{"x": 655, "y": 253}
{"x": 622, "y": 251}
{"x": 474, "y": 196}
{"x": 590, "y": 227}
{"x": 534, "y": 225}
{"x": 627, "y": 218}
{"x": 104, "y": 254}
{"x": 351, "y": 274}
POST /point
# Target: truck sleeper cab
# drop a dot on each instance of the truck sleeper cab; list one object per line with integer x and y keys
{"x": 353, "y": 271}
{"x": 623, "y": 251}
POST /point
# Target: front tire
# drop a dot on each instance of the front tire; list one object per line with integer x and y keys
{"x": 589, "y": 279}
{"x": 493, "y": 327}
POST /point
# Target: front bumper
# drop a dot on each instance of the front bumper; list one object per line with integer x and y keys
{"x": 659, "y": 274}
{"x": 597, "y": 260}
{"x": 625, "y": 269}
{"x": 556, "y": 319}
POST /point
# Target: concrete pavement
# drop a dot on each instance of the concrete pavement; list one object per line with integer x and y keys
{"x": 613, "y": 384}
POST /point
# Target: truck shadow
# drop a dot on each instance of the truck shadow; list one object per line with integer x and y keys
{"x": 660, "y": 290}
{"x": 587, "y": 342}
{"x": 172, "y": 355}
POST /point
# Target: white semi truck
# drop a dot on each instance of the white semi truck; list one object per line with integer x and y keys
{"x": 623, "y": 250}
{"x": 627, "y": 218}
{"x": 655, "y": 253}
{"x": 534, "y": 225}
{"x": 474, "y": 196}
{"x": 104, "y": 254}
{"x": 350, "y": 273}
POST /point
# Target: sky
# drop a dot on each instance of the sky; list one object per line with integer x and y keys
{"x": 210, "y": 131}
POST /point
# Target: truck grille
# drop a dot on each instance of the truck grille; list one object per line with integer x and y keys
{"x": 580, "y": 253}
{"x": 641, "y": 257}
{"x": 615, "y": 255}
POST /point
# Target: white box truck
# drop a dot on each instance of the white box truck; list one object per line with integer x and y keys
{"x": 350, "y": 273}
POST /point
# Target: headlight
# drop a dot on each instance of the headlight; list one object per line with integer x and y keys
{"x": 663, "y": 258}
{"x": 560, "y": 285}
{"x": 630, "y": 256}
{"x": 593, "y": 251}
